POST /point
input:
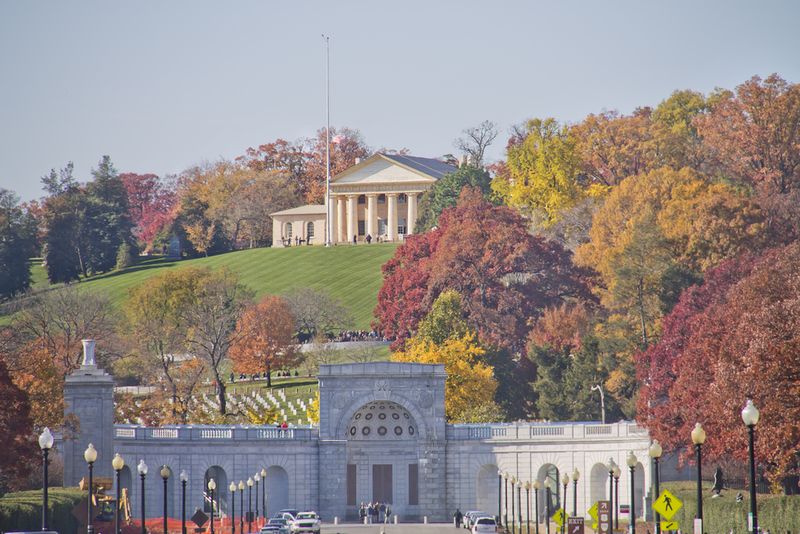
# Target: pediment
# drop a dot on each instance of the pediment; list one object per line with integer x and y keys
{"x": 379, "y": 170}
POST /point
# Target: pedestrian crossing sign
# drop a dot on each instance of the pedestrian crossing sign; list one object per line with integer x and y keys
{"x": 667, "y": 505}
{"x": 560, "y": 517}
{"x": 593, "y": 512}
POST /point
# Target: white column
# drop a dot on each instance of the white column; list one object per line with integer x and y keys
{"x": 411, "y": 221}
{"x": 372, "y": 215}
{"x": 352, "y": 227}
{"x": 391, "y": 230}
{"x": 340, "y": 221}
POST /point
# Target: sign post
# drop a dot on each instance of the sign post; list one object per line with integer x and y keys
{"x": 575, "y": 525}
{"x": 604, "y": 517}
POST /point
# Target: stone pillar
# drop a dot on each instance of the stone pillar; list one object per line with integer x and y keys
{"x": 372, "y": 215}
{"x": 332, "y": 473}
{"x": 352, "y": 217}
{"x": 340, "y": 220}
{"x": 391, "y": 230}
{"x": 411, "y": 221}
{"x": 89, "y": 400}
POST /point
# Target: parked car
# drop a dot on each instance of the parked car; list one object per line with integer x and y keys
{"x": 306, "y": 522}
{"x": 291, "y": 511}
{"x": 484, "y": 524}
{"x": 469, "y": 518}
{"x": 276, "y": 525}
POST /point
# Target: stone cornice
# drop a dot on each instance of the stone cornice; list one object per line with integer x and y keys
{"x": 364, "y": 189}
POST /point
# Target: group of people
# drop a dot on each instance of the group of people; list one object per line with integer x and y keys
{"x": 375, "y": 512}
{"x": 357, "y": 335}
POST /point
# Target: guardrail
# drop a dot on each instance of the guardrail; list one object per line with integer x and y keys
{"x": 545, "y": 431}
{"x": 213, "y": 433}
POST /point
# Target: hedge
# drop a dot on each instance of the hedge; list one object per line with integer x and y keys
{"x": 23, "y": 510}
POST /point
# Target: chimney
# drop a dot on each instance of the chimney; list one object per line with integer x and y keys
{"x": 358, "y": 160}
{"x": 464, "y": 161}
{"x": 88, "y": 353}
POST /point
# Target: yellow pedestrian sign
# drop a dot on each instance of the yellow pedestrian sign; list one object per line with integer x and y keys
{"x": 667, "y": 505}
{"x": 669, "y": 525}
{"x": 593, "y": 511}
{"x": 560, "y": 517}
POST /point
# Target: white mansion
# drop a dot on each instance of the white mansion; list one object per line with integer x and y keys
{"x": 376, "y": 197}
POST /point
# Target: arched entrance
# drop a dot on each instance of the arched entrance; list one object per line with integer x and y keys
{"x": 372, "y": 473}
{"x": 598, "y": 483}
{"x": 277, "y": 489}
{"x": 125, "y": 483}
{"x": 220, "y": 494}
{"x": 549, "y": 473}
{"x": 486, "y": 489}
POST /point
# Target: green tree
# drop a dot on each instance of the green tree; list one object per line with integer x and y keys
{"x": 445, "y": 320}
{"x": 17, "y": 244}
{"x": 444, "y": 193}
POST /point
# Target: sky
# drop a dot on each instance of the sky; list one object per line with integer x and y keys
{"x": 161, "y": 86}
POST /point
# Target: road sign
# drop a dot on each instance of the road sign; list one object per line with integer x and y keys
{"x": 575, "y": 525}
{"x": 669, "y": 525}
{"x": 559, "y": 516}
{"x": 593, "y": 512}
{"x": 603, "y": 517}
{"x": 667, "y": 505}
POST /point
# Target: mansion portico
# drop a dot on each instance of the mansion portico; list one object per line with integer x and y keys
{"x": 377, "y": 197}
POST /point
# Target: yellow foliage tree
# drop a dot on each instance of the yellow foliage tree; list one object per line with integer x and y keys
{"x": 470, "y": 385}
{"x": 312, "y": 412}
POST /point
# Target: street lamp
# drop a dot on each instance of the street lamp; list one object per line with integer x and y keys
{"x": 599, "y": 388}
{"x": 536, "y": 487}
{"x": 117, "y": 463}
{"x": 655, "y": 453}
{"x": 257, "y": 478}
{"x": 519, "y": 504}
{"x": 611, "y": 465}
{"x": 250, "y": 503}
{"x": 698, "y": 438}
{"x": 499, "y": 498}
{"x": 575, "y": 476}
{"x": 505, "y": 500}
{"x": 232, "y": 489}
{"x": 548, "y": 486}
{"x": 165, "y": 477}
{"x": 632, "y": 461}
{"x": 617, "y": 474}
{"x": 184, "y": 479}
{"x": 513, "y": 522}
{"x": 264, "y": 494}
{"x": 212, "y": 485}
{"x": 565, "y": 483}
{"x": 90, "y": 455}
{"x": 750, "y": 417}
{"x": 142, "y": 468}
{"x": 45, "y": 443}
{"x": 241, "y": 506}
{"x": 528, "y": 507}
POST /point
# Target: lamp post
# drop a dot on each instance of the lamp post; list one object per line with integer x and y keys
{"x": 165, "y": 477}
{"x": 519, "y": 504}
{"x": 632, "y": 461}
{"x": 617, "y": 474}
{"x": 90, "y": 455}
{"x": 505, "y": 500}
{"x": 45, "y": 443}
{"x": 547, "y": 489}
{"x": 575, "y": 476}
{"x": 142, "y": 468}
{"x": 528, "y": 507}
{"x": 599, "y": 388}
{"x": 655, "y": 453}
{"x": 499, "y": 498}
{"x": 250, "y": 504}
{"x": 565, "y": 483}
{"x": 611, "y": 465}
{"x": 698, "y": 438}
{"x": 257, "y": 478}
{"x": 513, "y": 522}
{"x": 117, "y": 463}
{"x": 232, "y": 489}
{"x": 750, "y": 416}
{"x": 264, "y": 494}
{"x": 241, "y": 506}
{"x": 184, "y": 479}
{"x": 212, "y": 485}
{"x": 536, "y": 487}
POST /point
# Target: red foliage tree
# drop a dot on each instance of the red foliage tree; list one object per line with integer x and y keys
{"x": 151, "y": 204}
{"x": 19, "y": 447}
{"x": 506, "y": 276}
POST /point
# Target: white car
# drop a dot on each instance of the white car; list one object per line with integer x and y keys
{"x": 469, "y": 518}
{"x": 306, "y": 522}
{"x": 484, "y": 524}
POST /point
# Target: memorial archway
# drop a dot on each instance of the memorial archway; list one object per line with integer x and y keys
{"x": 277, "y": 489}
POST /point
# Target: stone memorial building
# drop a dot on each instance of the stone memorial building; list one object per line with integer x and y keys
{"x": 382, "y": 436}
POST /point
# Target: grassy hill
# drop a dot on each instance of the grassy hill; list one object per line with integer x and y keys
{"x": 350, "y": 274}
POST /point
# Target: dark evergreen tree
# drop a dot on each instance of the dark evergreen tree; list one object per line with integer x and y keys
{"x": 17, "y": 245}
{"x": 445, "y": 192}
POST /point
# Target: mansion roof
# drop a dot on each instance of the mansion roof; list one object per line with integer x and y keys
{"x": 430, "y": 166}
{"x": 308, "y": 209}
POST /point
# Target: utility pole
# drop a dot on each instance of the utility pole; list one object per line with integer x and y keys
{"x": 328, "y": 229}
{"x": 602, "y": 402}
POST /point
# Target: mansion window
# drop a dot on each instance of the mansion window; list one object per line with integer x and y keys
{"x": 362, "y": 199}
{"x": 362, "y": 228}
{"x": 401, "y": 198}
{"x": 401, "y": 226}
{"x": 381, "y": 226}
{"x": 309, "y": 230}
{"x": 288, "y": 230}
{"x": 381, "y": 199}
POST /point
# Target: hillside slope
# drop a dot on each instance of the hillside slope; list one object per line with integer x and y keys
{"x": 350, "y": 274}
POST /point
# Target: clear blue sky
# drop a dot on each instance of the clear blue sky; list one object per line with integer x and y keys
{"x": 160, "y": 86}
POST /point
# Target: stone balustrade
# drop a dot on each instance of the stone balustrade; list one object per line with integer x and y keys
{"x": 544, "y": 431}
{"x": 215, "y": 433}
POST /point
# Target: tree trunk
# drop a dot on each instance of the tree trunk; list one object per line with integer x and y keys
{"x": 269, "y": 376}
{"x": 641, "y": 313}
{"x": 221, "y": 393}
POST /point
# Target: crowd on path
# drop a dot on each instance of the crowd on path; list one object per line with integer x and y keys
{"x": 375, "y": 512}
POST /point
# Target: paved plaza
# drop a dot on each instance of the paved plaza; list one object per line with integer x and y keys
{"x": 416, "y": 528}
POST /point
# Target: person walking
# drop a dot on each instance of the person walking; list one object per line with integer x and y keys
{"x": 362, "y": 512}
{"x": 458, "y": 516}
{"x": 370, "y": 509}
{"x": 386, "y": 519}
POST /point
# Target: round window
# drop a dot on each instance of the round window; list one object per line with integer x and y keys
{"x": 395, "y": 416}
{"x": 381, "y": 416}
{"x": 365, "y": 431}
{"x": 405, "y": 414}
{"x": 368, "y": 416}
{"x": 352, "y": 431}
{"x": 398, "y": 430}
{"x": 411, "y": 430}
{"x": 358, "y": 416}
{"x": 382, "y": 430}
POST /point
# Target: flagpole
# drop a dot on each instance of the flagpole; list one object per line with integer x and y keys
{"x": 327, "y": 140}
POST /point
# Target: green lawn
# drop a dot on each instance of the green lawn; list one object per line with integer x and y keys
{"x": 350, "y": 274}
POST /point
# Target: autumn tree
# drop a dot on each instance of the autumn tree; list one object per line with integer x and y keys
{"x": 151, "y": 204}
{"x": 317, "y": 313}
{"x": 266, "y": 338}
{"x": 445, "y": 192}
{"x": 18, "y": 434}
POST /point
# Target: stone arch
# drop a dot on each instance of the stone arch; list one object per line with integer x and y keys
{"x": 356, "y": 404}
{"x": 486, "y": 490}
{"x": 277, "y": 485}
{"x": 126, "y": 480}
{"x": 549, "y": 472}
{"x": 638, "y": 497}
{"x": 221, "y": 493}
{"x": 598, "y": 482}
